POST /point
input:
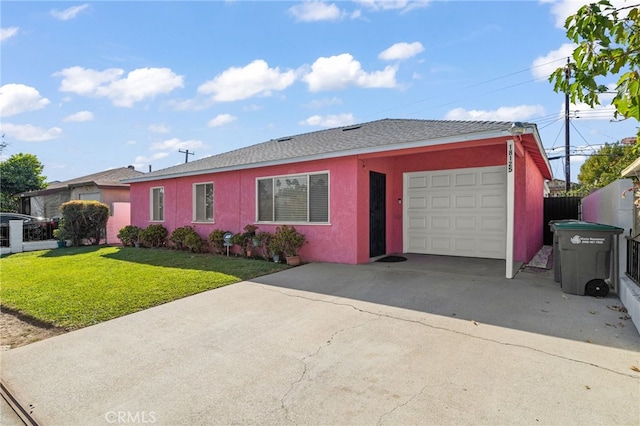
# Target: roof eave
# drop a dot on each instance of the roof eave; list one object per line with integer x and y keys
{"x": 336, "y": 154}
{"x": 632, "y": 170}
{"x": 536, "y": 136}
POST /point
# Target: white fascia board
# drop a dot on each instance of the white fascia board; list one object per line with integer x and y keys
{"x": 632, "y": 169}
{"x": 536, "y": 136}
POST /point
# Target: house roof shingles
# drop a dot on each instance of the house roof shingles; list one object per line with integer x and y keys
{"x": 380, "y": 135}
{"x": 111, "y": 177}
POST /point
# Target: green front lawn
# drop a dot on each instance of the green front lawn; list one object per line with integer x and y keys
{"x": 76, "y": 287}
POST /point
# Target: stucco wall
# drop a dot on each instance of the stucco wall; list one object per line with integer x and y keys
{"x": 607, "y": 206}
{"x": 529, "y": 209}
{"x": 235, "y": 206}
{"x": 119, "y": 218}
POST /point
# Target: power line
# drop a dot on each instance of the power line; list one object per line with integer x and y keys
{"x": 471, "y": 86}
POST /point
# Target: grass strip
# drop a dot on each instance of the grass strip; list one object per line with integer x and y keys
{"x": 77, "y": 287}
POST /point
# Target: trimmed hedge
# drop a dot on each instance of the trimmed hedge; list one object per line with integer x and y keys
{"x": 85, "y": 219}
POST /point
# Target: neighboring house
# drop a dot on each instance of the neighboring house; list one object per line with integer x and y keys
{"x": 105, "y": 187}
{"x": 633, "y": 171}
{"x": 629, "y": 290}
{"x": 458, "y": 188}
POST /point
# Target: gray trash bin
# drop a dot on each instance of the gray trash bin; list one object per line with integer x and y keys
{"x": 586, "y": 256}
{"x": 557, "y": 267}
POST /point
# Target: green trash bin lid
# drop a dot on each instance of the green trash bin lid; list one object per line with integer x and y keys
{"x": 586, "y": 226}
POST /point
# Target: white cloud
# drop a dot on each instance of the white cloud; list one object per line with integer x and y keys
{"x": 139, "y": 84}
{"x": 176, "y": 144}
{"x": 401, "y": 51}
{"x": 402, "y": 5}
{"x": 252, "y": 107}
{"x": 255, "y": 79}
{"x": 79, "y": 116}
{"x": 30, "y": 133}
{"x": 562, "y": 9}
{"x": 341, "y": 71}
{"x": 7, "y": 33}
{"x": 221, "y": 120}
{"x": 516, "y": 113}
{"x": 311, "y": 11}
{"x": 323, "y": 103}
{"x": 543, "y": 66}
{"x": 197, "y": 104}
{"x": 70, "y": 13}
{"x": 329, "y": 120}
{"x": 141, "y": 161}
{"x": 159, "y": 128}
{"x": 18, "y": 98}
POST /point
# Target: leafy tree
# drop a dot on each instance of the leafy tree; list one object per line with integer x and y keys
{"x": 605, "y": 166}
{"x": 608, "y": 43}
{"x": 19, "y": 173}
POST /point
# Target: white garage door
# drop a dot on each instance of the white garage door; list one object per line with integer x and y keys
{"x": 458, "y": 212}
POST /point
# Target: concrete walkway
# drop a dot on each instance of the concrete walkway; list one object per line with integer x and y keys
{"x": 423, "y": 341}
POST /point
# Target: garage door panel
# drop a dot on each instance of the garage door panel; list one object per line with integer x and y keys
{"x": 460, "y": 212}
{"x": 418, "y": 223}
{"x": 440, "y": 181}
{"x": 493, "y": 248}
{"x": 440, "y": 245}
{"x": 493, "y": 224}
{"x": 439, "y": 224}
{"x": 440, "y": 202}
{"x": 493, "y": 178}
{"x": 465, "y": 179}
{"x": 417, "y": 202}
{"x": 417, "y": 244}
{"x": 493, "y": 201}
{"x": 465, "y": 223}
{"x": 465, "y": 201}
{"x": 465, "y": 245}
{"x": 417, "y": 182}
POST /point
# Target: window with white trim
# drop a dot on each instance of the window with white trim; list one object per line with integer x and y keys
{"x": 203, "y": 202}
{"x": 157, "y": 204}
{"x": 294, "y": 198}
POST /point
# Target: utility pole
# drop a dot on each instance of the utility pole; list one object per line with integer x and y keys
{"x": 567, "y": 161}
{"x": 186, "y": 154}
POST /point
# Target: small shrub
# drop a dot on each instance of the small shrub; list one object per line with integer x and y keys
{"x": 179, "y": 236}
{"x": 195, "y": 243}
{"x": 288, "y": 240}
{"x": 129, "y": 235}
{"x": 217, "y": 240}
{"x": 265, "y": 240}
{"x": 154, "y": 236}
{"x": 238, "y": 240}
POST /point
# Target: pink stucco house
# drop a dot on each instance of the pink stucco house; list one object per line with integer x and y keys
{"x": 455, "y": 188}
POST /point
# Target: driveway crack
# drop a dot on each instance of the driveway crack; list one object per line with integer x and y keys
{"x": 435, "y": 327}
{"x": 307, "y": 357}
{"x": 401, "y": 405}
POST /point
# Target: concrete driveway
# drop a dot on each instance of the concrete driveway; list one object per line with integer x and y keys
{"x": 431, "y": 341}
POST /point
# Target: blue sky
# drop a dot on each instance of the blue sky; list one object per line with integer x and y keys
{"x": 97, "y": 85}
